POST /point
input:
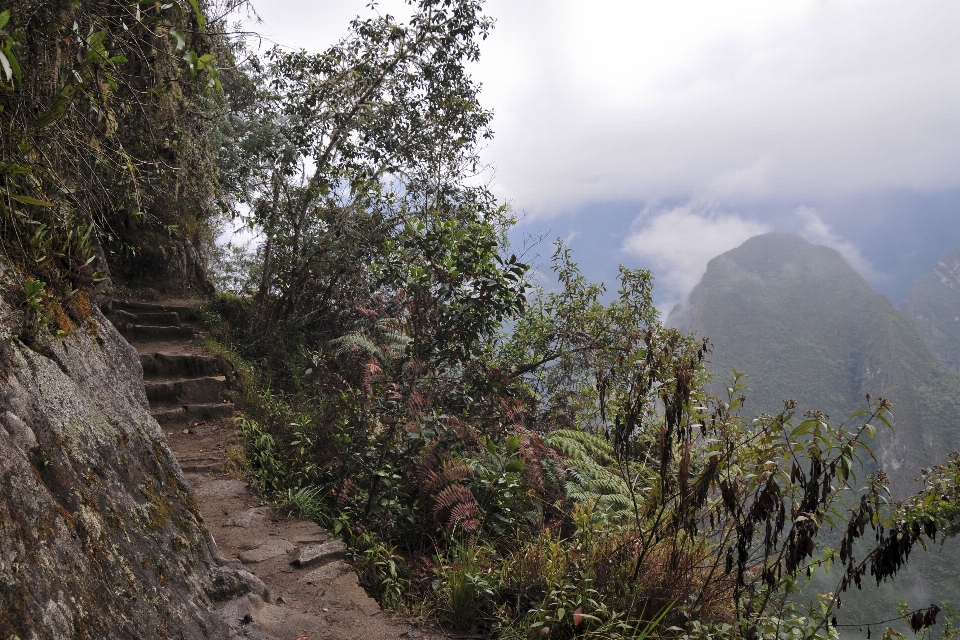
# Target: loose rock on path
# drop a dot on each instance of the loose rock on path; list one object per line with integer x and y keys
{"x": 312, "y": 592}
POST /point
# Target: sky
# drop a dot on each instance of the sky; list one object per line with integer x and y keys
{"x": 659, "y": 134}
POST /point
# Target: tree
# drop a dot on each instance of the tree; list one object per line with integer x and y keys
{"x": 355, "y": 166}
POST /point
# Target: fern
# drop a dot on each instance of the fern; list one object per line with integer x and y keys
{"x": 580, "y": 445}
{"x": 591, "y": 475}
{"x": 357, "y": 341}
{"x": 453, "y": 471}
{"x": 385, "y": 341}
{"x": 454, "y": 504}
{"x": 460, "y": 507}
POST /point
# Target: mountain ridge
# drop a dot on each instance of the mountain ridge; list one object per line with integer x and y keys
{"x": 802, "y": 324}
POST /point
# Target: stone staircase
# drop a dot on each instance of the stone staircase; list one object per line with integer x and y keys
{"x": 185, "y": 386}
{"x": 311, "y": 590}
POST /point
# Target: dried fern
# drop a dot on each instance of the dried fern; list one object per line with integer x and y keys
{"x": 457, "y": 503}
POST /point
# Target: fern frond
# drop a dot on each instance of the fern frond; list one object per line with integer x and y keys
{"x": 465, "y": 515}
{"x": 453, "y": 471}
{"x": 580, "y": 445}
{"x": 357, "y": 341}
{"x": 458, "y": 503}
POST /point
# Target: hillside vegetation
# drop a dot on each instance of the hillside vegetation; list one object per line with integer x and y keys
{"x": 516, "y": 461}
{"x": 934, "y": 305}
{"x": 801, "y": 324}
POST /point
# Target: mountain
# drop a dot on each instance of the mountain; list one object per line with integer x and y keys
{"x": 934, "y": 305}
{"x": 802, "y": 324}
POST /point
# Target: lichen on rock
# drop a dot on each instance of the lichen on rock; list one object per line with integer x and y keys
{"x": 99, "y": 537}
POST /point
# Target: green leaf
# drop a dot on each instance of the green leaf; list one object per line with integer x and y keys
{"x": 514, "y": 466}
{"x": 13, "y": 169}
{"x": 12, "y": 61}
{"x": 4, "y": 18}
{"x": 5, "y": 65}
{"x": 201, "y": 19}
{"x": 30, "y": 200}
{"x": 180, "y": 38}
{"x": 57, "y": 111}
{"x": 96, "y": 40}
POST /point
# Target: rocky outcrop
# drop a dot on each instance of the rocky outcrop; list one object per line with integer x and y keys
{"x": 169, "y": 266}
{"x": 99, "y": 536}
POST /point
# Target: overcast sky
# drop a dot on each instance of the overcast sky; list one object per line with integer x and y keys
{"x": 662, "y": 133}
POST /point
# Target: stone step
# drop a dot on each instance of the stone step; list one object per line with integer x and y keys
{"x": 201, "y": 464}
{"x": 157, "y": 318}
{"x": 173, "y": 415}
{"x": 146, "y": 333}
{"x": 320, "y": 554}
{"x": 180, "y": 365}
{"x": 124, "y": 320}
{"x": 184, "y": 310}
{"x": 203, "y": 390}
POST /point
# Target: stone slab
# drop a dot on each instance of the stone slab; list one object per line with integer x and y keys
{"x": 225, "y": 488}
{"x": 185, "y": 390}
{"x": 144, "y": 333}
{"x": 327, "y": 573}
{"x": 183, "y": 365}
{"x": 250, "y": 518}
{"x": 267, "y": 550}
{"x": 320, "y": 554}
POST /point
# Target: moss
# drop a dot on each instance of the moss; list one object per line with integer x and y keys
{"x": 159, "y": 511}
{"x": 60, "y": 320}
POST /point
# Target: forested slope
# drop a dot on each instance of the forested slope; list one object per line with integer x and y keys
{"x": 934, "y": 305}
{"x": 801, "y": 324}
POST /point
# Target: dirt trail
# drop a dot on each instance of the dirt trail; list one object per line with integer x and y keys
{"x": 313, "y": 592}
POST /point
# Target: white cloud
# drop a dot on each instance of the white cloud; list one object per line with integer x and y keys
{"x": 732, "y": 101}
{"x": 678, "y": 243}
{"x": 817, "y": 231}
{"x": 740, "y": 100}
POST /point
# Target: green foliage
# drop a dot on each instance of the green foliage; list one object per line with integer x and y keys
{"x": 100, "y": 145}
{"x": 353, "y": 165}
{"x": 593, "y": 477}
{"x": 462, "y": 585}
{"x": 803, "y": 325}
{"x": 381, "y": 570}
{"x": 265, "y": 469}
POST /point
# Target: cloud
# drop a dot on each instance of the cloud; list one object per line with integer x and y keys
{"x": 677, "y": 244}
{"x": 737, "y": 102}
{"x": 817, "y": 231}
{"x": 620, "y": 100}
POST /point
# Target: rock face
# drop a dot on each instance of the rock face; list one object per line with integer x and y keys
{"x": 99, "y": 537}
{"x": 170, "y": 266}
